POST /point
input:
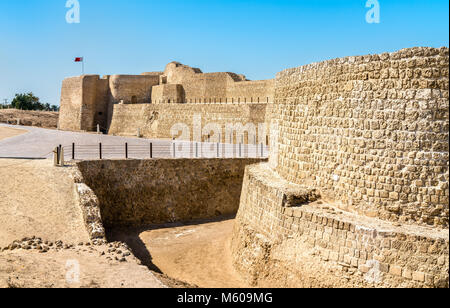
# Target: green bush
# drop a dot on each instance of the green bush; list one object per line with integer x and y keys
{"x": 27, "y": 101}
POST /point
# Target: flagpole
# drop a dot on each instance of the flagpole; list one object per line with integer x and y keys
{"x": 82, "y": 65}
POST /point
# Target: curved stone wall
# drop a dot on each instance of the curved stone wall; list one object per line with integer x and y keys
{"x": 284, "y": 237}
{"x": 370, "y": 132}
{"x": 356, "y": 190}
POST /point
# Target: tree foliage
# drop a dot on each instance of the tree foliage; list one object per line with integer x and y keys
{"x": 28, "y": 101}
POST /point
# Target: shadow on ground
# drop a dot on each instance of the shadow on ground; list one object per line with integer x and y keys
{"x": 131, "y": 236}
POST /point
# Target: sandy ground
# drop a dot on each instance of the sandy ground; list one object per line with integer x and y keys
{"x": 7, "y": 132}
{"x": 77, "y": 267}
{"x": 37, "y": 199}
{"x": 196, "y": 254}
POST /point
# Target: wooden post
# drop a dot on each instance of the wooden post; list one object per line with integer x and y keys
{"x": 151, "y": 150}
{"x": 55, "y": 156}
{"x": 73, "y": 151}
{"x": 61, "y": 161}
{"x": 126, "y": 150}
{"x": 100, "y": 151}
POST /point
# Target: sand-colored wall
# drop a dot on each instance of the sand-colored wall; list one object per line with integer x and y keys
{"x": 218, "y": 87}
{"x": 142, "y": 192}
{"x": 370, "y": 132}
{"x": 156, "y": 121}
{"x": 367, "y": 137}
{"x": 71, "y": 100}
{"x": 124, "y": 87}
{"x": 168, "y": 94}
{"x": 89, "y": 100}
{"x": 261, "y": 91}
{"x": 284, "y": 238}
{"x": 84, "y": 103}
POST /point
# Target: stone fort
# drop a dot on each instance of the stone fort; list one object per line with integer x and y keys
{"x": 154, "y": 102}
{"x": 355, "y": 192}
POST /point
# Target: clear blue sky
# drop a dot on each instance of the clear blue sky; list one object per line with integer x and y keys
{"x": 255, "y": 38}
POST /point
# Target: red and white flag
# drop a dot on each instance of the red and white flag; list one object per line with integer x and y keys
{"x": 79, "y": 59}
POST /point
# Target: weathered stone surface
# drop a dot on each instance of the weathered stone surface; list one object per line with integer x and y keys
{"x": 322, "y": 245}
{"x": 376, "y": 145}
{"x": 142, "y": 192}
{"x": 90, "y": 100}
{"x": 370, "y": 135}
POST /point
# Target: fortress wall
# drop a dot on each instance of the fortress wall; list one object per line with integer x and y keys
{"x": 156, "y": 121}
{"x": 141, "y": 192}
{"x": 283, "y": 238}
{"x": 84, "y": 103}
{"x": 199, "y": 87}
{"x": 71, "y": 100}
{"x": 370, "y": 132}
{"x": 355, "y": 193}
{"x": 125, "y": 87}
{"x": 102, "y": 103}
{"x": 168, "y": 93}
{"x": 251, "y": 91}
{"x": 88, "y": 100}
{"x": 94, "y": 101}
{"x": 218, "y": 87}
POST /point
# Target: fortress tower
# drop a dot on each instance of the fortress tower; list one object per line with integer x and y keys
{"x": 356, "y": 191}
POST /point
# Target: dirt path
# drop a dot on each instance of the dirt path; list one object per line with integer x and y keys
{"x": 196, "y": 254}
{"x": 37, "y": 199}
{"x": 7, "y": 132}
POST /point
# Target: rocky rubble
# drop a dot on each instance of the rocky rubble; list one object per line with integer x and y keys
{"x": 115, "y": 251}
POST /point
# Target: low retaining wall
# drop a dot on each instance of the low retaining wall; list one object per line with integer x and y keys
{"x": 285, "y": 237}
{"x": 142, "y": 192}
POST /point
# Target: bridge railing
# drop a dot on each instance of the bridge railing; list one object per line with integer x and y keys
{"x": 174, "y": 149}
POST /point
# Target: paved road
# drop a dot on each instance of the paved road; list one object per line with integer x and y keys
{"x": 40, "y": 142}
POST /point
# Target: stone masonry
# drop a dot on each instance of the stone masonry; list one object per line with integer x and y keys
{"x": 356, "y": 190}
{"x": 91, "y": 100}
